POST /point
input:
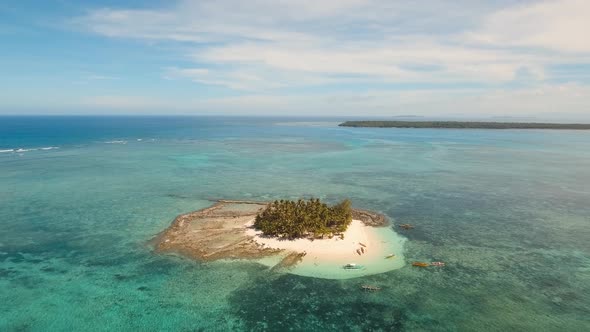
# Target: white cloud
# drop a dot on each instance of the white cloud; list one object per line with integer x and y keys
{"x": 560, "y": 26}
{"x": 235, "y": 79}
{"x": 542, "y": 102}
{"x": 261, "y": 40}
{"x": 97, "y": 77}
{"x": 402, "y": 61}
{"x": 263, "y": 47}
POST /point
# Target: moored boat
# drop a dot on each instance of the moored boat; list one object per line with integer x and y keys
{"x": 406, "y": 226}
{"x": 352, "y": 266}
{"x": 370, "y": 288}
{"x": 420, "y": 264}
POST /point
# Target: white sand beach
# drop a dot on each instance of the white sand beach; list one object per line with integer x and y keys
{"x": 326, "y": 257}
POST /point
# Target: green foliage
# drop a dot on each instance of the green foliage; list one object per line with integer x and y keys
{"x": 312, "y": 218}
{"x": 463, "y": 125}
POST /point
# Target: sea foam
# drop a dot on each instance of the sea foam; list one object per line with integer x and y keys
{"x": 21, "y": 150}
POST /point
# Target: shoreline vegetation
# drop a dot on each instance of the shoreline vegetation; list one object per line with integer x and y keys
{"x": 298, "y": 219}
{"x": 464, "y": 125}
{"x": 316, "y": 238}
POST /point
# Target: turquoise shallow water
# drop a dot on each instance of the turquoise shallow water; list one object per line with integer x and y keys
{"x": 509, "y": 211}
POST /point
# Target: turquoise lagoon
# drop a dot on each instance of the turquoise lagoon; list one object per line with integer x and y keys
{"x": 507, "y": 210}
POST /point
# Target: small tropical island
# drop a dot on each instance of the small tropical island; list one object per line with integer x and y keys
{"x": 305, "y": 237}
{"x": 464, "y": 125}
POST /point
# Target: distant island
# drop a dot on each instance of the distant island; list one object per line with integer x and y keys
{"x": 464, "y": 125}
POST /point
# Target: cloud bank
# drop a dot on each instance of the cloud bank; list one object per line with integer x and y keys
{"x": 381, "y": 57}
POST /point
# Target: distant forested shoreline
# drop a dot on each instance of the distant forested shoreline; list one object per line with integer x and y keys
{"x": 464, "y": 125}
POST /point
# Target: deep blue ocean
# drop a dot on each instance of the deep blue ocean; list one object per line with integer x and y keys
{"x": 80, "y": 198}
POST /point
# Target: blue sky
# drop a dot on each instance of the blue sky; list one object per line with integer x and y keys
{"x": 300, "y": 57}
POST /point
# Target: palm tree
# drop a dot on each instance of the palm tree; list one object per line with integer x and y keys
{"x": 304, "y": 218}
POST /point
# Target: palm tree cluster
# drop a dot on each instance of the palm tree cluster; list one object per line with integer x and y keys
{"x": 304, "y": 218}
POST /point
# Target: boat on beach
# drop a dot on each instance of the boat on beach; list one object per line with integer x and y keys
{"x": 352, "y": 266}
